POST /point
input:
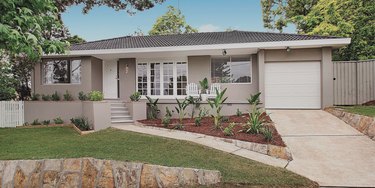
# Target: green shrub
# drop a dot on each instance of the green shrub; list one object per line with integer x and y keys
{"x": 180, "y": 109}
{"x": 267, "y": 133}
{"x": 36, "y": 122}
{"x": 68, "y": 96}
{"x": 35, "y": 97}
{"x": 255, "y": 123}
{"x": 55, "y": 96}
{"x": 229, "y": 130}
{"x": 238, "y": 112}
{"x": 204, "y": 85}
{"x": 26, "y": 124}
{"x": 58, "y": 120}
{"x": 46, "y": 122}
{"x": 96, "y": 96}
{"x": 46, "y": 97}
{"x": 224, "y": 119}
{"x": 167, "y": 118}
{"x": 196, "y": 102}
{"x": 81, "y": 123}
{"x": 217, "y": 105}
{"x": 82, "y": 96}
{"x": 135, "y": 96}
{"x": 198, "y": 121}
{"x": 152, "y": 110}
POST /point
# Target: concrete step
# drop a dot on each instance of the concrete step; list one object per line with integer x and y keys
{"x": 117, "y": 104}
{"x": 121, "y": 117}
{"x": 116, "y": 113}
{"x": 122, "y": 121}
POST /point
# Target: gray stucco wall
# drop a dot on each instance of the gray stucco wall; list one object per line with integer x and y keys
{"x": 91, "y": 79}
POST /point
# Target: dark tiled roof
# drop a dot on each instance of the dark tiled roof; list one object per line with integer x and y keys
{"x": 192, "y": 39}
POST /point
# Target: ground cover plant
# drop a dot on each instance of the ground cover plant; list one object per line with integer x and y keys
{"x": 65, "y": 142}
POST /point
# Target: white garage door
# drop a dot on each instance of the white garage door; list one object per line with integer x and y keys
{"x": 292, "y": 85}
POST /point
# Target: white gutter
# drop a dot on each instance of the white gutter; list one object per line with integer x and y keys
{"x": 337, "y": 42}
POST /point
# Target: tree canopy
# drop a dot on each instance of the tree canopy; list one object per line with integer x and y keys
{"x": 172, "y": 22}
{"x": 345, "y": 18}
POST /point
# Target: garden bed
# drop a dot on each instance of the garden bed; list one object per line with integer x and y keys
{"x": 207, "y": 123}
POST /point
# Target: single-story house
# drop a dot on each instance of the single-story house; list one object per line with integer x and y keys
{"x": 292, "y": 71}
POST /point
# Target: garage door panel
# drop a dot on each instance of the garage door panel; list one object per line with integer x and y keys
{"x": 303, "y": 67}
{"x": 297, "y": 102}
{"x": 284, "y": 78}
{"x": 292, "y": 85}
{"x": 295, "y": 90}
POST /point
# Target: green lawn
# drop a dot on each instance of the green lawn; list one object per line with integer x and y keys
{"x": 63, "y": 142}
{"x": 362, "y": 110}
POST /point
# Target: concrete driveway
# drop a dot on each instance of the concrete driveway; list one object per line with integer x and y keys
{"x": 325, "y": 149}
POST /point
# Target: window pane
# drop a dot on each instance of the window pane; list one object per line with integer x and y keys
{"x": 155, "y": 78}
{"x": 235, "y": 69}
{"x": 142, "y": 78}
{"x": 47, "y": 72}
{"x": 76, "y": 71}
{"x": 56, "y": 71}
{"x": 220, "y": 70}
{"x": 181, "y": 68}
{"x": 168, "y": 78}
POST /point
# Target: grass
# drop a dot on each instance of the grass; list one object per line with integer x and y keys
{"x": 362, "y": 110}
{"x": 64, "y": 142}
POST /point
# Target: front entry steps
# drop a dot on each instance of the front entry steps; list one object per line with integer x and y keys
{"x": 120, "y": 113}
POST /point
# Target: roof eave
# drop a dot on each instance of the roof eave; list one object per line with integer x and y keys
{"x": 334, "y": 43}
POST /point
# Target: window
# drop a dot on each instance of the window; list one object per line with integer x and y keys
{"x": 231, "y": 69}
{"x": 162, "y": 78}
{"x": 61, "y": 72}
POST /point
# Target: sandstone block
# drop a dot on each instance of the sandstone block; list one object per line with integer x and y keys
{"x": 127, "y": 174}
{"x": 20, "y": 179}
{"x": 72, "y": 165}
{"x": 89, "y": 173}
{"x": 70, "y": 180}
{"x": 106, "y": 179}
{"x": 50, "y": 179}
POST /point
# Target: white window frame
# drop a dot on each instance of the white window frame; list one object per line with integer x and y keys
{"x": 148, "y": 61}
{"x": 235, "y": 83}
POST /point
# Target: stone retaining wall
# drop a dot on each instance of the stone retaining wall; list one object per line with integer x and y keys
{"x": 89, "y": 172}
{"x": 363, "y": 124}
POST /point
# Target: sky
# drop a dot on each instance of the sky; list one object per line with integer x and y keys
{"x": 205, "y": 15}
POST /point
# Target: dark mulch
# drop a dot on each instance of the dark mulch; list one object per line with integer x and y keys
{"x": 369, "y": 103}
{"x": 207, "y": 128}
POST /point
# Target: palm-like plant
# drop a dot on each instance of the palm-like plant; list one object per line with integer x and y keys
{"x": 153, "y": 109}
{"x": 204, "y": 85}
{"x": 217, "y": 105}
{"x": 181, "y": 111}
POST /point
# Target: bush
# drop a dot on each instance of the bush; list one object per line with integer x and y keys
{"x": 96, "y": 96}
{"x": 82, "y": 96}
{"x": 167, "y": 118}
{"x": 46, "y": 97}
{"x": 255, "y": 122}
{"x": 81, "y": 123}
{"x": 152, "y": 110}
{"x": 180, "y": 109}
{"x": 229, "y": 130}
{"x": 202, "y": 113}
{"x": 55, "y": 96}
{"x": 198, "y": 121}
{"x": 36, "y": 122}
{"x": 35, "y": 97}
{"x": 267, "y": 133}
{"x": 135, "y": 96}
{"x": 238, "y": 112}
{"x": 217, "y": 105}
{"x": 46, "y": 122}
{"x": 68, "y": 96}
{"x": 58, "y": 120}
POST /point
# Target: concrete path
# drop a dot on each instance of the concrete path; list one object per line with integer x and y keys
{"x": 206, "y": 141}
{"x": 325, "y": 149}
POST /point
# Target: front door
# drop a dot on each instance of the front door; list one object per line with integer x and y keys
{"x": 110, "y": 79}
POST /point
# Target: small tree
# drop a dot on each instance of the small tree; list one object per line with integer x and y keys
{"x": 217, "y": 105}
{"x": 153, "y": 110}
{"x": 180, "y": 109}
{"x": 172, "y": 22}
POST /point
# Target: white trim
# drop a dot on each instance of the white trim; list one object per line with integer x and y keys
{"x": 338, "y": 42}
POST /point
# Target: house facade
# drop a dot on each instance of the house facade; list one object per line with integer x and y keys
{"x": 292, "y": 71}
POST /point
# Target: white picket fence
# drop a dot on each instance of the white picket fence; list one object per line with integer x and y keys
{"x": 11, "y": 113}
